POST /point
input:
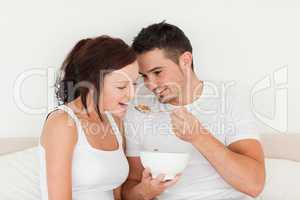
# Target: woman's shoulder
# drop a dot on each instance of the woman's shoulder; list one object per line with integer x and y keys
{"x": 59, "y": 129}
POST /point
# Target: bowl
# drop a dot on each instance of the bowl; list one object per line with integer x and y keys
{"x": 169, "y": 164}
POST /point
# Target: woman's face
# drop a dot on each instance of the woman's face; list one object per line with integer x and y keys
{"x": 118, "y": 89}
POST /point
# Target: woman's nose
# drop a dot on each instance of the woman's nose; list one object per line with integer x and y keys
{"x": 131, "y": 92}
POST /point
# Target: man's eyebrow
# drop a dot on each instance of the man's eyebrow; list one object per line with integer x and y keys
{"x": 151, "y": 70}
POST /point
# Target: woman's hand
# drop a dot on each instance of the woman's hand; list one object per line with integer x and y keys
{"x": 152, "y": 187}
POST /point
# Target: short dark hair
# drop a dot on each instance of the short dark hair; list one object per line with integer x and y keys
{"x": 88, "y": 60}
{"x": 163, "y": 36}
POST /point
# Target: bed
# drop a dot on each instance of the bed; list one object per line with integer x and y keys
{"x": 19, "y": 164}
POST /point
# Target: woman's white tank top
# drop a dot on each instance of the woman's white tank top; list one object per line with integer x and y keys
{"x": 95, "y": 173}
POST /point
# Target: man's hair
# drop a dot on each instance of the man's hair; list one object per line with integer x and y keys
{"x": 163, "y": 36}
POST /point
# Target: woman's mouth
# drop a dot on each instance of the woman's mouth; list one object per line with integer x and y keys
{"x": 123, "y": 105}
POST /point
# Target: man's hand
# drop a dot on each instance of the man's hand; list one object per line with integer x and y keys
{"x": 152, "y": 187}
{"x": 186, "y": 126}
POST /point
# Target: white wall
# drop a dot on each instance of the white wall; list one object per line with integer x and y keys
{"x": 233, "y": 40}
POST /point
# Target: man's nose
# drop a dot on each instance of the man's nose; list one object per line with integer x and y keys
{"x": 151, "y": 84}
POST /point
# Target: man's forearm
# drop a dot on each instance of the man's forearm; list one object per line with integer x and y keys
{"x": 132, "y": 191}
{"x": 242, "y": 172}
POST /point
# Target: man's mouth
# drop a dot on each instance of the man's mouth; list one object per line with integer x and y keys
{"x": 160, "y": 92}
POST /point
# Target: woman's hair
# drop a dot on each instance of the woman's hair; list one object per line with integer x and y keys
{"x": 87, "y": 64}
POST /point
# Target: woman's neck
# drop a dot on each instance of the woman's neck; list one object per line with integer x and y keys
{"x": 88, "y": 112}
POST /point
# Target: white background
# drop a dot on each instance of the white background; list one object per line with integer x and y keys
{"x": 233, "y": 40}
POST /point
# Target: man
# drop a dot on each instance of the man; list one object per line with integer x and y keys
{"x": 226, "y": 161}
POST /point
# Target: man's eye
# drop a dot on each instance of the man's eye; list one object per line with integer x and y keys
{"x": 157, "y": 72}
{"x": 144, "y": 76}
{"x": 121, "y": 88}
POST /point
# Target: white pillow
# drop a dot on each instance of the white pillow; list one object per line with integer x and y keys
{"x": 283, "y": 180}
{"x": 19, "y": 175}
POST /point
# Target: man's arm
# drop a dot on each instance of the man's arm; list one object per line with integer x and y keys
{"x": 241, "y": 164}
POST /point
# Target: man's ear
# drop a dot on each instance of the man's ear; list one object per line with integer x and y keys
{"x": 185, "y": 60}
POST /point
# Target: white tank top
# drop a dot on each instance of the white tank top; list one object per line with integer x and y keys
{"x": 95, "y": 173}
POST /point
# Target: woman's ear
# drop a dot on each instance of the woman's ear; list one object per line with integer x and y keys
{"x": 185, "y": 60}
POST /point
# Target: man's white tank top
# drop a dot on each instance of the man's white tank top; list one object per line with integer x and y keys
{"x": 95, "y": 173}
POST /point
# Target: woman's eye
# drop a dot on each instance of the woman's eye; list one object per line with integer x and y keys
{"x": 121, "y": 88}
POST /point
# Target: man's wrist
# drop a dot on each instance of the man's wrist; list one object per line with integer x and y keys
{"x": 201, "y": 138}
{"x": 208, "y": 143}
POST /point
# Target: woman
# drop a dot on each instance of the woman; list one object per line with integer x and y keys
{"x": 81, "y": 146}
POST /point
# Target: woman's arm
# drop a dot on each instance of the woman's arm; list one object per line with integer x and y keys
{"x": 117, "y": 193}
{"x": 58, "y": 139}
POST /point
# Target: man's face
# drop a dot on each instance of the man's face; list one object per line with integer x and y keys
{"x": 161, "y": 75}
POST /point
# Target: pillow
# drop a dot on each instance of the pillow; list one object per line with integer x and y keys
{"x": 19, "y": 174}
{"x": 271, "y": 142}
{"x": 283, "y": 180}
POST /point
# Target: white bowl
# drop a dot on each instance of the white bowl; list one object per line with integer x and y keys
{"x": 169, "y": 164}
